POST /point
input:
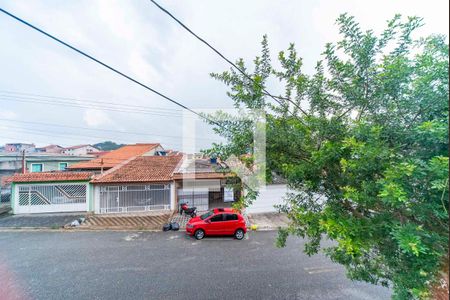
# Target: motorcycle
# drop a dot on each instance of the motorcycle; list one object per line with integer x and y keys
{"x": 191, "y": 211}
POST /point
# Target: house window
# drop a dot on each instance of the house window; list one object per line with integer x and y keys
{"x": 37, "y": 167}
{"x": 62, "y": 166}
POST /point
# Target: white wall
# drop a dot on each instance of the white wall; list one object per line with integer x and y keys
{"x": 173, "y": 192}
{"x": 49, "y": 208}
{"x": 81, "y": 151}
{"x": 267, "y": 198}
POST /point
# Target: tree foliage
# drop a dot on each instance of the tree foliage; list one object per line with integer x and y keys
{"x": 363, "y": 141}
{"x": 108, "y": 145}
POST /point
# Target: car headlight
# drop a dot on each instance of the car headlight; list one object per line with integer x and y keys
{"x": 189, "y": 226}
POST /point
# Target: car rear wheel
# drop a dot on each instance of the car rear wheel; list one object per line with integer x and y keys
{"x": 199, "y": 234}
{"x": 239, "y": 234}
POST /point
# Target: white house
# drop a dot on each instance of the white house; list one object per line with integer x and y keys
{"x": 80, "y": 150}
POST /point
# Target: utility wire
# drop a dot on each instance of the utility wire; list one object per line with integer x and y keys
{"x": 106, "y": 65}
{"x": 89, "y": 106}
{"x": 64, "y": 135}
{"x": 98, "y": 129}
{"x": 226, "y": 59}
{"x": 52, "y": 133}
{"x": 68, "y": 137}
{"x": 38, "y": 96}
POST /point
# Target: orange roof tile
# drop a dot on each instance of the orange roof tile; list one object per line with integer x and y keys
{"x": 51, "y": 176}
{"x": 142, "y": 169}
{"x": 115, "y": 157}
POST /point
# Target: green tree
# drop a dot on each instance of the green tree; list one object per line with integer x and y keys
{"x": 108, "y": 145}
{"x": 363, "y": 142}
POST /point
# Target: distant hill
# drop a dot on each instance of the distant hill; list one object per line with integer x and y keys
{"x": 107, "y": 146}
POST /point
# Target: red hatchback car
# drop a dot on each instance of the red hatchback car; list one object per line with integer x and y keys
{"x": 219, "y": 221}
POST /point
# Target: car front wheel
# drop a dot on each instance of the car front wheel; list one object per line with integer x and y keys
{"x": 199, "y": 234}
{"x": 239, "y": 234}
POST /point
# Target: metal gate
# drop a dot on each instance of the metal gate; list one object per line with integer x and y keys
{"x": 194, "y": 197}
{"x": 43, "y": 198}
{"x": 134, "y": 198}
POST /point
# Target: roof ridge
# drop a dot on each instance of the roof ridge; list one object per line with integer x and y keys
{"x": 142, "y": 169}
{"x": 115, "y": 168}
{"x": 179, "y": 164}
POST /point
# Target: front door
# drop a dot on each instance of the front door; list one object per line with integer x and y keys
{"x": 109, "y": 199}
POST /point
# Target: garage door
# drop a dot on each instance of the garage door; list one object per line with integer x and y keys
{"x": 198, "y": 198}
{"x": 41, "y": 198}
{"x": 134, "y": 198}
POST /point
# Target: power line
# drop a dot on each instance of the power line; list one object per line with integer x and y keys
{"x": 226, "y": 59}
{"x": 81, "y": 105}
{"x": 106, "y": 65}
{"x": 67, "y": 137}
{"x": 71, "y": 136}
{"x": 33, "y": 96}
{"x": 52, "y": 133}
{"x": 98, "y": 129}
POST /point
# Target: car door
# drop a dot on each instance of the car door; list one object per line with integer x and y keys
{"x": 215, "y": 225}
{"x": 230, "y": 223}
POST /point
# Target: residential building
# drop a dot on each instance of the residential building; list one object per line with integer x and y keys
{"x": 80, "y": 150}
{"x": 115, "y": 157}
{"x": 50, "y": 149}
{"x": 19, "y": 147}
{"x": 142, "y": 182}
{"x": 52, "y": 162}
{"x": 51, "y": 192}
{"x": 11, "y": 163}
{"x": 205, "y": 183}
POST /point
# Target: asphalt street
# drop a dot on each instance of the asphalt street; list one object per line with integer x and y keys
{"x": 158, "y": 265}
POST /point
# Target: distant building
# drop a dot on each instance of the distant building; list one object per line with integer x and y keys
{"x": 19, "y": 147}
{"x": 115, "y": 157}
{"x": 80, "y": 150}
{"x": 50, "y": 149}
{"x": 11, "y": 163}
{"x": 52, "y": 162}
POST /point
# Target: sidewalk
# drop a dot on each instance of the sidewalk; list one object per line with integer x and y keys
{"x": 5, "y": 207}
{"x": 268, "y": 221}
{"x": 36, "y": 221}
{"x": 152, "y": 220}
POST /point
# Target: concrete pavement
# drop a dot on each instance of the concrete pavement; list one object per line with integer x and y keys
{"x": 158, "y": 265}
{"x": 268, "y": 221}
{"x": 55, "y": 220}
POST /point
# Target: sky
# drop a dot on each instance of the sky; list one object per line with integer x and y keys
{"x": 37, "y": 75}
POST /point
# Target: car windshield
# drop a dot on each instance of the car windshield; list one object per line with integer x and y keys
{"x": 208, "y": 214}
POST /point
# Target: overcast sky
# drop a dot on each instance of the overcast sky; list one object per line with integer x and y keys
{"x": 138, "y": 39}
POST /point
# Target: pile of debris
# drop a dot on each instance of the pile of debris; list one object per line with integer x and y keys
{"x": 76, "y": 223}
{"x": 171, "y": 226}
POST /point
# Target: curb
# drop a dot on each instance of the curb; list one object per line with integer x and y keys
{"x": 47, "y": 229}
